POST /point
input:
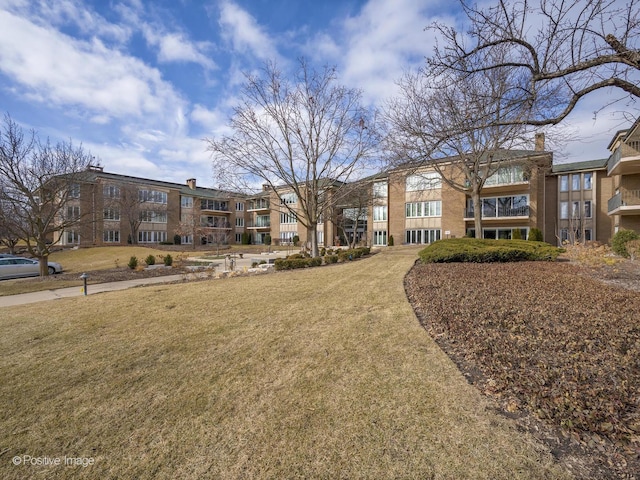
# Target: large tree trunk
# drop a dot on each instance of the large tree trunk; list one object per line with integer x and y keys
{"x": 312, "y": 238}
{"x": 477, "y": 214}
{"x": 44, "y": 266}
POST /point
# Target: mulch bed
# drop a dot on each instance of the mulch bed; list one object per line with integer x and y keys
{"x": 553, "y": 344}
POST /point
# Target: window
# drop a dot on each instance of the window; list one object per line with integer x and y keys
{"x": 380, "y": 237}
{"x": 239, "y": 222}
{"x": 287, "y": 236}
{"x": 564, "y": 210}
{"x": 503, "y": 233}
{"x": 575, "y": 181}
{"x": 112, "y": 214}
{"x": 214, "y": 205}
{"x": 506, "y": 175}
{"x": 153, "y": 216}
{"x": 186, "y": 239}
{"x": 588, "y": 235}
{"x": 423, "y": 209}
{"x": 587, "y": 209}
{"x": 379, "y": 213}
{"x": 380, "y": 190}
{"x": 152, "y": 196}
{"x": 152, "y": 237}
{"x": 288, "y": 218}
{"x": 111, "y": 191}
{"x": 564, "y": 235}
{"x": 72, "y": 237}
{"x": 422, "y": 236}
{"x": 575, "y": 209}
{"x": 186, "y": 202}
{"x": 238, "y": 238}
{"x": 423, "y": 181}
{"x": 263, "y": 221}
{"x": 564, "y": 183}
{"x": 73, "y": 213}
{"x": 288, "y": 198}
{"x": 74, "y": 190}
{"x": 213, "y": 221}
{"x": 239, "y": 207}
{"x": 587, "y": 180}
{"x": 320, "y": 237}
{"x": 111, "y": 236}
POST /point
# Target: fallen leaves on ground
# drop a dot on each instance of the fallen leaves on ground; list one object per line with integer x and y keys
{"x": 546, "y": 339}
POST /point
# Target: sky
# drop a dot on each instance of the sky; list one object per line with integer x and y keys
{"x": 141, "y": 83}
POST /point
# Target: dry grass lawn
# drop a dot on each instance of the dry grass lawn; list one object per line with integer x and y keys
{"x": 320, "y": 373}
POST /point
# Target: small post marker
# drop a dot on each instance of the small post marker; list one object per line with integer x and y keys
{"x": 84, "y": 277}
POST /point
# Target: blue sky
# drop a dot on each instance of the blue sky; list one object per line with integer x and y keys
{"x": 140, "y": 83}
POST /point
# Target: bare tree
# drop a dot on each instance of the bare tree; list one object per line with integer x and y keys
{"x": 38, "y": 181}
{"x": 190, "y": 225}
{"x": 561, "y": 50}
{"x": 462, "y": 129}
{"x": 306, "y": 136}
{"x": 8, "y": 228}
{"x": 129, "y": 203}
{"x": 351, "y": 210}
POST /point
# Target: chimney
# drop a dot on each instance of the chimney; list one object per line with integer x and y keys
{"x": 191, "y": 182}
{"x": 539, "y": 142}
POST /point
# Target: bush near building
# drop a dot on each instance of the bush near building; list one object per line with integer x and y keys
{"x": 477, "y": 250}
{"x": 299, "y": 260}
{"x": 620, "y": 239}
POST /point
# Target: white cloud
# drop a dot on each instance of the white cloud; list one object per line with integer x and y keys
{"x": 244, "y": 33}
{"x": 174, "y": 47}
{"x": 55, "y": 68}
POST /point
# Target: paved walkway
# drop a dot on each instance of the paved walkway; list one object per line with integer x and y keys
{"x": 33, "y": 297}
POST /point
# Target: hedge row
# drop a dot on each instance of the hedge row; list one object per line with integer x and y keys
{"x": 298, "y": 260}
{"x": 476, "y": 250}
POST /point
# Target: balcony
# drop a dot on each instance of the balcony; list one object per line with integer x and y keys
{"x": 259, "y": 225}
{"x": 499, "y": 213}
{"x": 257, "y": 205}
{"x": 625, "y": 160}
{"x": 626, "y": 202}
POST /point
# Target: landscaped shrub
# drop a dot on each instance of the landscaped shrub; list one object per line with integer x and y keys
{"x": 535, "y": 235}
{"x": 293, "y": 263}
{"x": 328, "y": 259}
{"x": 150, "y": 260}
{"x": 168, "y": 260}
{"x": 353, "y": 253}
{"x": 516, "y": 235}
{"x": 295, "y": 240}
{"x": 133, "y": 263}
{"x": 246, "y": 238}
{"x": 390, "y": 240}
{"x": 267, "y": 239}
{"x": 177, "y": 239}
{"x": 619, "y": 240}
{"x": 323, "y": 252}
{"x": 477, "y": 250}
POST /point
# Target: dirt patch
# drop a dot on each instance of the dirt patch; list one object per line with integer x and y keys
{"x": 557, "y": 345}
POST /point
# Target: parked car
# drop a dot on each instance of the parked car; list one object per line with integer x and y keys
{"x": 7, "y": 255}
{"x": 16, "y": 267}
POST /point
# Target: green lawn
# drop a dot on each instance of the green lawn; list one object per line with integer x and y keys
{"x": 319, "y": 373}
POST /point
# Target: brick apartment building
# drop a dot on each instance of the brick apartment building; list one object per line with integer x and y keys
{"x": 579, "y": 201}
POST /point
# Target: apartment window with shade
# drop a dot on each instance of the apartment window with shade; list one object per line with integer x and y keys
{"x": 111, "y": 236}
{"x": 239, "y": 222}
{"x": 423, "y": 181}
{"x": 380, "y": 190}
{"x": 239, "y": 206}
{"x": 575, "y": 181}
{"x": 587, "y": 209}
{"x": 380, "y": 237}
{"x": 587, "y": 180}
{"x": 564, "y": 210}
{"x": 74, "y": 190}
{"x": 186, "y": 202}
{"x": 380, "y": 213}
{"x": 111, "y": 191}
{"x": 564, "y": 183}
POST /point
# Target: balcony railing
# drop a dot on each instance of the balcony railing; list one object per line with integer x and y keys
{"x": 499, "y": 212}
{"x": 258, "y": 205}
{"x": 258, "y": 224}
{"x": 624, "y": 199}
{"x": 630, "y": 149}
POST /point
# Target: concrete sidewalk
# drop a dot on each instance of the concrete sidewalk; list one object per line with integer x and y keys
{"x": 33, "y": 297}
